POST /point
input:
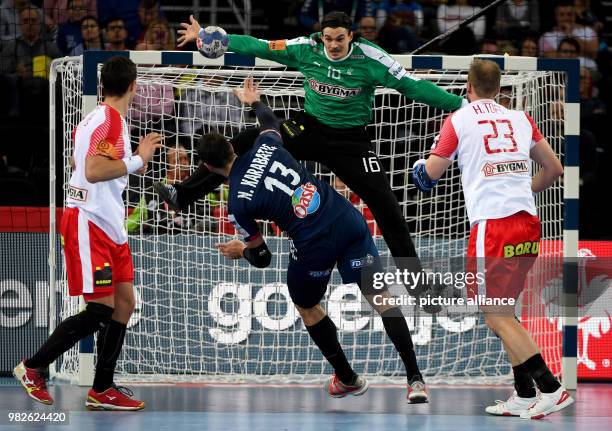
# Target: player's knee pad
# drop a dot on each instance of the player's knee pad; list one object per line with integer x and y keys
{"x": 99, "y": 312}
{"x": 88, "y": 321}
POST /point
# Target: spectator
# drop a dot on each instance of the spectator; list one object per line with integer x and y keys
{"x": 152, "y": 108}
{"x": 209, "y": 108}
{"x": 517, "y": 18}
{"x": 570, "y": 48}
{"x": 146, "y": 214}
{"x": 412, "y": 10}
{"x": 25, "y": 63}
{"x": 127, "y": 10}
{"x": 90, "y": 35}
{"x": 116, "y": 35}
{"x": 529, "y": 47}
{"x": 314, "y": 10}
{"x": 9, "y": 18}
{"x": 489, "y": 47}
{"x": 457, "y": 11}
{"x": 158, "y": 37}
{"x": 148, "y": 11}
{"x": 593, "y": 110}
{"x": 367, "y": 29}
{"x": 58, "y": 11}
{"x": 585, "y": 16}
{"x": 397, "y": 35}
{"x": 69, "y": 33}
{"x": 28, "y": 55}
{"x": 505, "y": 97}
{"x": 565, "y": 17}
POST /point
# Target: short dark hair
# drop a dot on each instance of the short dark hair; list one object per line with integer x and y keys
{"x": 88, "y": 18}
{"x": 485, "y": 77}
{"x": 117, "y": 75}
{"x": 215, "y": 149}
{"x": 570, "y": 41}
{"x": 337, "y": 19}
{"x": 113, "y": 19}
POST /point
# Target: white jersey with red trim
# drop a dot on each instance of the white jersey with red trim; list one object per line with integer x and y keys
{"x": 102, "y": 132}
{"x": 492, "y": 145}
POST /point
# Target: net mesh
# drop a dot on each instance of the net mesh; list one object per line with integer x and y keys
{"x": 200, "y": 316}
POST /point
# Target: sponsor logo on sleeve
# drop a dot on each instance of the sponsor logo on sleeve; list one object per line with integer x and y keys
{"x": 501, "y": 168}
{"x": 277, "y": 45}
{"x": 105, "y": 148}
{"x": 397, "y": 70}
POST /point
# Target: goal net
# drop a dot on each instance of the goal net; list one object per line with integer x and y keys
{"x": 200, "y": 316}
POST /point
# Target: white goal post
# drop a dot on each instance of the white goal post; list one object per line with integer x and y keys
{"x": 201, "y": 317}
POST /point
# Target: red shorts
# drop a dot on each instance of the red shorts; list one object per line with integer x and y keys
{"x": 94, "y": 263}
{"x": 503, "y": 251}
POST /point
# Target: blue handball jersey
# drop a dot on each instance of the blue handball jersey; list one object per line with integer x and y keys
{"x": 267, "y": 183}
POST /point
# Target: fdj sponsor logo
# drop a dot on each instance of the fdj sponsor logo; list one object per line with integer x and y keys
{"x": 333, "y": 90}
{"x": 492, "y": 169}
{"x": 305, "y": 200}
{"x": 522, "y": 248}
{"x": 364, "y": 261}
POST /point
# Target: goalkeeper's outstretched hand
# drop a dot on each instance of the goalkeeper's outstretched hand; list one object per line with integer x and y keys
{"x": 188, "y": 32}
{"x": 420, "y": 177}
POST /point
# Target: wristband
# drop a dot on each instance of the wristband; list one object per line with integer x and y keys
{"x": 133, "y": 163}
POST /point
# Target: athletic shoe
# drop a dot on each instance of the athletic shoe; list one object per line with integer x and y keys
{"x": 417, "y": 392}
{"x": 167, "y": 194}
{"x": 548, "y": 403}
{"x": 114, "y": 398}
{"x": 514, "y": 406}
{"x": 337, "y": 389}
{"x": 33, "y": 382}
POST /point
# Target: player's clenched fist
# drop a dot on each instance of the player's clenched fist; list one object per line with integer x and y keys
{"x": 232, "y": 249}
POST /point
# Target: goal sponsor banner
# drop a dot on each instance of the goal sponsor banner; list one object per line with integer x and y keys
{"x": 250, "y": 324}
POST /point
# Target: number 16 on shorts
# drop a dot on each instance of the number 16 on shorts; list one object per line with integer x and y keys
{"x": 370, "y": 164}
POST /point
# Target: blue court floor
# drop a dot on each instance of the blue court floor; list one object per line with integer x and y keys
{"x": 304, "y": 407}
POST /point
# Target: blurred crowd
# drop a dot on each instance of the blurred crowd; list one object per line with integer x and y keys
{"x": 32, "y": 33}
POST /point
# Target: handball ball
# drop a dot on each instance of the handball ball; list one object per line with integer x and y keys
{"x": 212, "y": 42}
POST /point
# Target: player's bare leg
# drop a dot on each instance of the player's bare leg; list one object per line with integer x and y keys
{"x": 105, "y": 395}
{"x": 323, "y": 332}
{"x": 399, "y": 334}
{"x": 527, "y": 360}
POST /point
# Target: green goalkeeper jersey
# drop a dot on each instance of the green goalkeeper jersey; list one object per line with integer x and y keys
{"x": 340, "y": 93}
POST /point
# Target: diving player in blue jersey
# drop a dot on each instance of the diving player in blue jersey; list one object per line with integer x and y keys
{"x": 267, "y": 183}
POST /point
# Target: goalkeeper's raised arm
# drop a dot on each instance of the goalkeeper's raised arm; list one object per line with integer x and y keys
{"x": 341, "y": 71}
